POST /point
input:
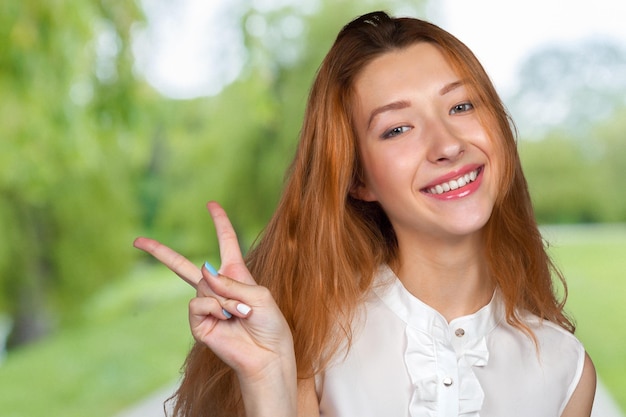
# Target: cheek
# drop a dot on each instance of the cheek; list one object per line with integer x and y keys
{"x": 481, "y": 138}
{"x": 503, "y": 164}
{"x": 378, "y": 171}
{"x": 500, "y": 166}
{"x": 389, "y": 167}
{"x": 473, "y": 130}
{"x": 371, "y": 168}
{"x": 487, "y": 133}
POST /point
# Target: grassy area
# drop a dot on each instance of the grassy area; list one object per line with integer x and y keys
{"x": 136, "y": 334}
{"x": 134, "y": 342}
{"x": 593, "y": 259}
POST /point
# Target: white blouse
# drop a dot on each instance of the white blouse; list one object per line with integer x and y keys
{"x": 407, "y": 360}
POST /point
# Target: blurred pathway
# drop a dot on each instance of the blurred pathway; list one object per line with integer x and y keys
{"x": 151, "y": 406}
{"x": 604, "y": 405}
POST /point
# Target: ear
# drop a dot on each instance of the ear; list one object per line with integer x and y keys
{"x": 361, "y": 191}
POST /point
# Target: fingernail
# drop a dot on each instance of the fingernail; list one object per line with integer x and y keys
{"x": 210, "y": 268}
{"x": 227, "y": 314}
{"x": 243, "y": 309}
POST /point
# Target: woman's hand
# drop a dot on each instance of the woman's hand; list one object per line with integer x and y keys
{"x": 238, "y": 320}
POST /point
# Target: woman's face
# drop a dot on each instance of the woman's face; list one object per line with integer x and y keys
{"x": 426, "y": 157}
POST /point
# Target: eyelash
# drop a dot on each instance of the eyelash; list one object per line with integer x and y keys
{"x": 395, "y": 131}
{"x": 461, "y": 108}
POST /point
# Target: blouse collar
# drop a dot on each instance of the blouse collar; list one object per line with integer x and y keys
{"x": 422, "y": 317}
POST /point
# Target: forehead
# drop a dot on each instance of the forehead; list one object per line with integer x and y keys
{"x": 418, "y": 62}
{"x": 420, "y": 67}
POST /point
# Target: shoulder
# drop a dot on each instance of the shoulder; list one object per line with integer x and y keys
{"x": 562, "y": 353}
{"x": 554, "y": 339}
{"x": 581, "y": 401}
{"x": 548, "y": 341}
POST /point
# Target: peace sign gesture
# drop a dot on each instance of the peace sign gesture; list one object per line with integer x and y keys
{"x": 238, "y": 320}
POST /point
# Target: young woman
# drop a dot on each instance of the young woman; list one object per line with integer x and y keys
{"x": 403, "y": 272}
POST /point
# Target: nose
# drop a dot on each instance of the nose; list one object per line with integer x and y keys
{"x": 445, "y": 145}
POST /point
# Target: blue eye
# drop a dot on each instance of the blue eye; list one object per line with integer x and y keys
{"x": 462, "y": 107}
{"x": 395, "y": 131}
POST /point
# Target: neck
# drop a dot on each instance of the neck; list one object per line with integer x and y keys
{"x": 451, "y": 277}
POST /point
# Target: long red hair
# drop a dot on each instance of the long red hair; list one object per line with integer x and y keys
{"x": 319, "y": 252}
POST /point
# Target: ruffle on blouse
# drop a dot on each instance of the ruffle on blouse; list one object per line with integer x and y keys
{"x": 429, "y": 379}
{"x": 472, "y": 395}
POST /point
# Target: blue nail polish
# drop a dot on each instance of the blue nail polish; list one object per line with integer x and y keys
{"x": 226, "y": 314}
{"x": 210, "y": 268}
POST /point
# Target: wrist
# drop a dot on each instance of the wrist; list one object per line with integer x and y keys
{"x": 271, "y": 391}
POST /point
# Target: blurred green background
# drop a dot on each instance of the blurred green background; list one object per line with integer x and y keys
{"x": 92, "y": 155}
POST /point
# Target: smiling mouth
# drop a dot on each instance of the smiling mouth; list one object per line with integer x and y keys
{"x": 452, "y": 185}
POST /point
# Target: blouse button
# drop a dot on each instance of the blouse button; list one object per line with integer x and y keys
{"x": 447, "y": 381}
{"x": 459, "y": 332}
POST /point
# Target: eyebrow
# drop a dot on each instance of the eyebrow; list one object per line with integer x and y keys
{"x": 396, "y": 105}
{"x": 402, "y": 104}
{"x": 449, "y": 87}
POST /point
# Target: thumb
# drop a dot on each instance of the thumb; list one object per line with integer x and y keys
{"x": 237, "y": 296}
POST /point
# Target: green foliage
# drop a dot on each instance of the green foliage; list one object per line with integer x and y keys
{"x": 132, "y": 341}
{"x": 570, "y": 104}
{"x": 611, "y": 148}
{"x": 558, "y": 176}
{"x": 570, "y": 179}
{"x": 69, "y": 109}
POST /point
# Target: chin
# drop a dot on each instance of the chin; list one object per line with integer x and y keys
{"x": 468, "y": 226}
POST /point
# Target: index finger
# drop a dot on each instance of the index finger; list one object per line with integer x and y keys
{"x": 180, "y": 265}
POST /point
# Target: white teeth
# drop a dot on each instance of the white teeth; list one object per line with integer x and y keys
{"x": 454, "y": 184}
